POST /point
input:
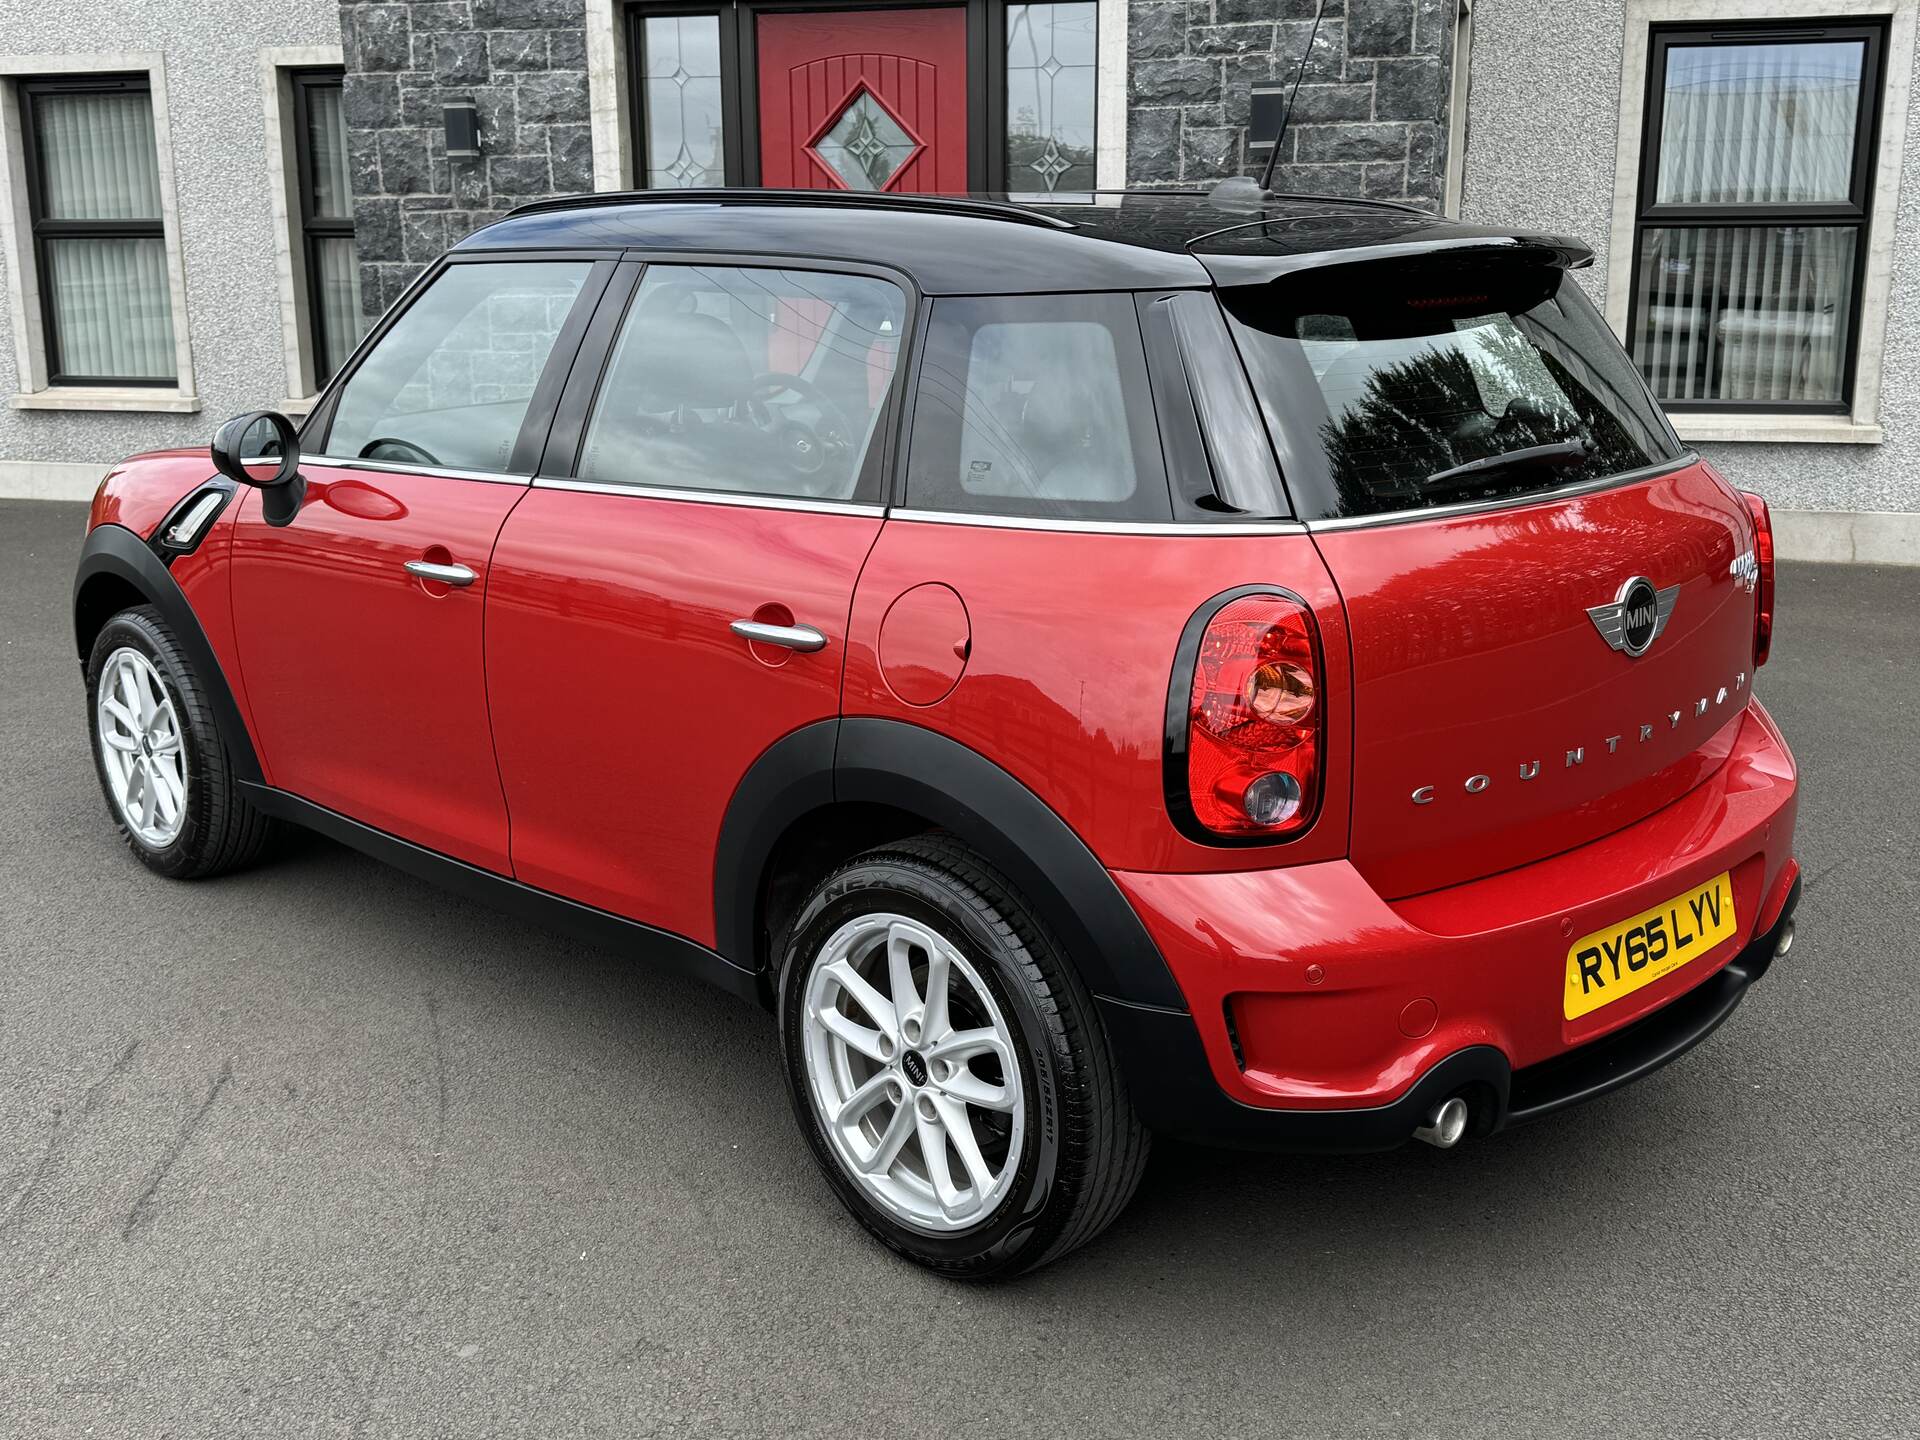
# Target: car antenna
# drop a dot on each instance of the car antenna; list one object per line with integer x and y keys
{"x": 1242, "y": 192}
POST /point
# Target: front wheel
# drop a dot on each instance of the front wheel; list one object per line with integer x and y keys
{"x": 162, "y": 766}
{"x": 948, "y": 1067}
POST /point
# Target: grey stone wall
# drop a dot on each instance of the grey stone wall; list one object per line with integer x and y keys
{"x": 1370, "y": 118}
{"x": 522, "y": 62}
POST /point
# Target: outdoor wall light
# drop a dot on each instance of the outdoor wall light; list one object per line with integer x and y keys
{"x": 463, "y": 130}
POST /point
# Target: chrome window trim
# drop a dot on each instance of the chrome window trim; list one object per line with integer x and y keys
{"x": 1511, "y": 502}
{"x": 737, "y": 499}
{"x": 1102, "y": 527}
{"x": 391, "y": 467}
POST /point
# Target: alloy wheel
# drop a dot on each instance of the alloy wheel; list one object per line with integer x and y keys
{"x": 913, "y": 1073}
{"x": 142, "y": 748}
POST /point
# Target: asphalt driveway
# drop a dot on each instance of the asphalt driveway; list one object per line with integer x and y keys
{"x": 317, "y": 1150}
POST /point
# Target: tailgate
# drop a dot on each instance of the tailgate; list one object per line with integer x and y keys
{"x": 1495, "y": 722}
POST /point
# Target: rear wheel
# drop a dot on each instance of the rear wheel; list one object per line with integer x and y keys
{"x": 948, "y": 1067}
{"x": 161, "y": 763}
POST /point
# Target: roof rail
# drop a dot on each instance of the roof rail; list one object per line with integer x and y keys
{"x": 844, "y": 199}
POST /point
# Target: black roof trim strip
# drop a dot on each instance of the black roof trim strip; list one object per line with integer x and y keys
{"x": 846, "y": 199}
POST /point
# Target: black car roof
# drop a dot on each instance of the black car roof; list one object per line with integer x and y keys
{"x": 980, "y": 244}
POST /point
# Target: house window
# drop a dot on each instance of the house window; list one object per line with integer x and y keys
{"x": 326, "y": 221}
{"x": 99, "y": 243}
{"x": 1755, "y": 190}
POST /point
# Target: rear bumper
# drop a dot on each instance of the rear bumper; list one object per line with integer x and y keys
{"x": 1191, "y": 1106}
{"x": 1322, "y": 1017}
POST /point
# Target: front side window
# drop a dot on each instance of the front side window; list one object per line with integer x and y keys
{"x": 326, "y": 222}
{"x": 1395, "y": 387}
{"x": 1754, "y": 196}
{"x": 747, "y": 381}
{"x": 449, "y": 384}
{"x": 1036, "y": 405}
{"x": 100, "y": 244}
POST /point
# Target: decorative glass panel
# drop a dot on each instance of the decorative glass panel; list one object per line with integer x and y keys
{"x": 1050, "y": 96}
{"x": 683, "y": 101}
{"x": 332, "y": 197}
{"x": 1760, "y": 124}
{"x": 98, "y": 155}
{"x": 112, "y": 317}
{"x": 1754, "y": 313}
{"x": 866, "y": 147}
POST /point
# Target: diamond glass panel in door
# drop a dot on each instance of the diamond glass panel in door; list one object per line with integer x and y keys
{"x": 1759, "y": 124}
{"x": 865, "y": 147}
{"x": 338, "y": 323}
{"x": 1748, "y": 313}
{"x": 110, "y": 305}
{"x": 684, "y": 129}
{"x": 1050, "y": 96}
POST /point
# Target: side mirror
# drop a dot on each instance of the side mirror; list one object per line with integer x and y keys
{"x": 261, "y": 450}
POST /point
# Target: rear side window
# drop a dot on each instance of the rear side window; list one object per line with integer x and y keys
{"x": 749, "y": 382}
{"x": 451, "y": 380}
{"x": 1036, "y": 405}
{"x": 1397, "y": 388}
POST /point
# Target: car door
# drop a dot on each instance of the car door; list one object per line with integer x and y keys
{"x": 359, "y": 621}
{"x": 722, "y": 472}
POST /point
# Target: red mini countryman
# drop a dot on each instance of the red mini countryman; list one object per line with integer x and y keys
{"x": 1091, "y": 669}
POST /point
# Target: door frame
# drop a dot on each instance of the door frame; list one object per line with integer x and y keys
{"x": 739, "y": 80}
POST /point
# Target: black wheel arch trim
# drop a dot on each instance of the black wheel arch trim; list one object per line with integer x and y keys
{"x": 115, "y": 551}
{"x": 908, "y": 767}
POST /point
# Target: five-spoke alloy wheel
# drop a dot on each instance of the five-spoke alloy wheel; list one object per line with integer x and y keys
{"x": 912, "y": 1068}
{"x": 166, "y": 775}
{"x": 142, "y": 750}
{"x": 948, "y": 1066}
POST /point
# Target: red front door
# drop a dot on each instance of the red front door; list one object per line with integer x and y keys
{"x": 365, "y": 681}
{"x": 864, "y": 100}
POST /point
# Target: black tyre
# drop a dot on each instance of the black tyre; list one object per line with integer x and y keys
{"x": 168, "y": 783}
{"x": 948, "y": 1066}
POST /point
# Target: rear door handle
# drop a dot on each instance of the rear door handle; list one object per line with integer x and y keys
{"x": 445, "y": 574}
{"x": 790, "y": 637}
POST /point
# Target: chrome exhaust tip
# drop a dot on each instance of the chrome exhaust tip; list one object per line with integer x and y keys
{"x": 1785, "y": 943}
{"x": 1445, "y": 1125}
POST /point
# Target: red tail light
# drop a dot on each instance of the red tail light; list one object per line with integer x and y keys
{"x": 1251, "y": 727}
{"x": 1763, "y": 596}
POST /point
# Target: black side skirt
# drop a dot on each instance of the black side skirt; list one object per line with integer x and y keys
{"x": 539, "y": 907}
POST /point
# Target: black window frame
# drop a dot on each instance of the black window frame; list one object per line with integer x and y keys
{"x": 315, "y": 228}
{"x": 45, "y": 228}
{"x": 740, "y": 90}
{"x": 1855, "y": 212}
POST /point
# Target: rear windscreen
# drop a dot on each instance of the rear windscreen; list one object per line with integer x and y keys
{"x": 1392, "y": 386}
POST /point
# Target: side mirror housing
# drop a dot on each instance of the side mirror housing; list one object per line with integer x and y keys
{"x": 260, "y": 449}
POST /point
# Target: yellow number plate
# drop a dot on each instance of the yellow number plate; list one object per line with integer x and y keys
{"x": 1610, "y": 963}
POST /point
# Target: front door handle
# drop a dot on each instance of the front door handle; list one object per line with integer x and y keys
{"x": 444, "y": 574}
{"x": 790, "y": 637}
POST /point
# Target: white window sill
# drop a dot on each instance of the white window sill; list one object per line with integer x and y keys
{"x": 1777, "y": 429}
{"x": 297, "y": 408}
{"x": 105, "y": 397}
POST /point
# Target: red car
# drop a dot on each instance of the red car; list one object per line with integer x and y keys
{"x": 1093, "y": 669}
